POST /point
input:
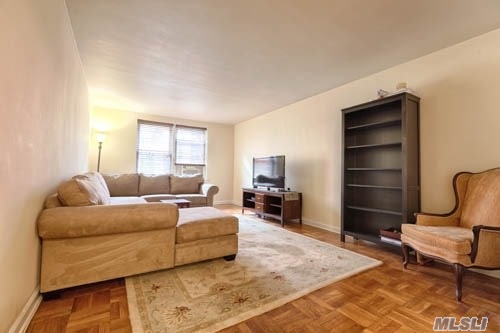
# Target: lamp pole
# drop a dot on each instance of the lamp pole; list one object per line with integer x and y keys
{"x": 99, "y": 156}
{"x": 100, "y": 136}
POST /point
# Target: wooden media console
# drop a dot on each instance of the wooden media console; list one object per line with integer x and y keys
{"x": 282, "y": 206}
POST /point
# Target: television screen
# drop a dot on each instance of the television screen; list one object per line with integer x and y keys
{"x": 269, "y": 171}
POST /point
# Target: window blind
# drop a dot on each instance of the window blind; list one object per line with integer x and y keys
{"x": 190, "y": 145}
{"x": 154, "y": 155}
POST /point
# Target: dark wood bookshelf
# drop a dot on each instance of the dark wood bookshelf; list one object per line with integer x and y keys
{"x": 373, "y": 169}
{"x": 381, "y": 166}
{"x": 375, "y": 186}
{"x": 375, "y": 210}
{"x": 375, "y": 145}
{"x": 375, "y": 125}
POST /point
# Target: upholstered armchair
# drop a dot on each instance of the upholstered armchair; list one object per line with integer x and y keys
{"x": 468, "y": 236}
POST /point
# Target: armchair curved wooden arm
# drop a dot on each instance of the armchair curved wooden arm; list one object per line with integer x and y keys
{"x": 486, "y": 246}
{"x": 468, "y": 236}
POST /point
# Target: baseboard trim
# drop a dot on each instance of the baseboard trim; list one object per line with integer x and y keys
{"x": 320, "y": 225}
{"x": 23, "y": 320}
{"x": 310, "y": 222}
{"x": 224, "y": 202}
{"x": 495, "y": 273}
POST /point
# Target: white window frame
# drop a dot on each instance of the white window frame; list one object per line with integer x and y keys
{"x": 143, "y": 148}
{"x": 196, "y": 167}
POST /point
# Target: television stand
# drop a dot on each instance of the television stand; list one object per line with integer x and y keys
{"x": 281, "y": 206}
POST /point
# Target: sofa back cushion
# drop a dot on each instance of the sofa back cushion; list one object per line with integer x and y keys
{"x": 84, "y": 190}
{"x": 123, "y": 185}
{"x": 154, "y": 184}
{"x": 185, "y": 185}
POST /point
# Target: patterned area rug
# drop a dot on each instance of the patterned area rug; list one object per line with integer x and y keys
{"x": 273, "y": 266}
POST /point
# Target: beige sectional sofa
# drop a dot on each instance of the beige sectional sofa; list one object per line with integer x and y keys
{"x": 137, "y": 188}
{"x": 86, "y": 237}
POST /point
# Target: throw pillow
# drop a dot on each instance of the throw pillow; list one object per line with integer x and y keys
{"x": 101, "y": 180}
{"x": 71, "y": 194}
{"x": 95, "y": 186}
{"x": 185, "y": 185}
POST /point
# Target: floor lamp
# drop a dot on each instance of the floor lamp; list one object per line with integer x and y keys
{"x": 100, "y": 139}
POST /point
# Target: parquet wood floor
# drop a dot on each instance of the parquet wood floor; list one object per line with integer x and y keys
{"x": 384, "y": 299}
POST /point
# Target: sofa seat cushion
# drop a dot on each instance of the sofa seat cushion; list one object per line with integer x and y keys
{"x": 74, "y": 222}
{"x": 456, "y": 240}
{"x": 126, "y": 200}
{"x": 195, "y": 199}
{"x": 204, "y": 222}
{"x": 158, "y": 197}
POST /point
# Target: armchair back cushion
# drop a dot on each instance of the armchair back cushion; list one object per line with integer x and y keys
{"x": 482, "y": 200}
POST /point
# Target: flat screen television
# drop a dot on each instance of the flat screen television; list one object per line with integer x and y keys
{"x": 269, "y": 171}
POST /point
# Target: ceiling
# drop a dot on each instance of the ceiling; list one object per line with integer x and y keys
{"x": 226, "y": 61}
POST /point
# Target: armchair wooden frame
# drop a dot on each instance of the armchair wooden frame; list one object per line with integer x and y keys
{"x": 480, "y": 255}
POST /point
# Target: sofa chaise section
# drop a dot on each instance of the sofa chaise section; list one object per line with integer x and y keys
{"x": 204, "y": 233}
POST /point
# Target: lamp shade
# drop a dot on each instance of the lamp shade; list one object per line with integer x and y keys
{"x": 100, "y": 136}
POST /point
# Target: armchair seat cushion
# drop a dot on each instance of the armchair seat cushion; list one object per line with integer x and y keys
{"x": 453, "y": 244}
{"x": 457, "y": 240}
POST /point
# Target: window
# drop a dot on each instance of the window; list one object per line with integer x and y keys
{"x": 190, "y": 145}
{"x": 190, "y": 148}
{"x": 154, "y": 153}
{"x": 168, "y": 148}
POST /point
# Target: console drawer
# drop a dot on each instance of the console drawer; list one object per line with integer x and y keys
{"x": 259, "y": 206}
{"x": 259, "y": 197}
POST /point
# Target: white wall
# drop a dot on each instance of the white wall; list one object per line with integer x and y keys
{"x": 43, "y": 136}
{"x": 118, "y": 153}
{"x": 459, "y": 117}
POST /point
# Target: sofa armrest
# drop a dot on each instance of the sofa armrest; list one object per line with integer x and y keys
{"x": 209, "y": 190}
{"x": 73, "y": 222}
{"x": 437, "y": 220}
